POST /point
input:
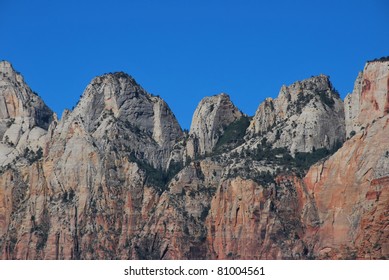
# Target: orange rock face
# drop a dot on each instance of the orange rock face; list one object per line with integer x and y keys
{"x": 350, "y": 191}
{"x": 106, "y": 186}
{"x": 248, "y": 221}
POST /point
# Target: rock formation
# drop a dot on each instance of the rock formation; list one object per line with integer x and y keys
{"x": 24, "y": 118}
{"x": 116, "y": 178}
{"x": 306, "y": 115}
{"x": 369, "y": 99}
{"x": 114, "y": 110}
{"x": 350, "y": 194}
{"x": 210, "y": 119}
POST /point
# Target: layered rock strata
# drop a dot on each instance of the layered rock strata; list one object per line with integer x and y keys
{"x": 116, "y": 178}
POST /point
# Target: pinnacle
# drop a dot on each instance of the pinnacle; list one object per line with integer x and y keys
{"x": 6, "y": 68}
{"x": 114, "y": 77}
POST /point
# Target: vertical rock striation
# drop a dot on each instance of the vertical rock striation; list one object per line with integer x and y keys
{"x": 116, "y": 178}
{"x": 306, "y": 115}
{"x": 369, "y": 99}
{"x": 24, "y": 118}
{"x": 212, "y": 116}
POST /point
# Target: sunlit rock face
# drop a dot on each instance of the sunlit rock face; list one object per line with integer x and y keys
{"x": 24, "y": 118}
{"x": 210, "y": 119}
{"x": 117, "y": 178}
{"x": 369, "y": 100}
{"x": 306, "y": 115}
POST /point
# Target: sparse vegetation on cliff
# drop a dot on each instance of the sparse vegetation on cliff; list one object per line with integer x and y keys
{"x": 381, "y": 59}
{"x": 263, "y": 187}
{"x": 233, "y": 135}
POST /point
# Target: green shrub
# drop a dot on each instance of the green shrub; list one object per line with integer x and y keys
{"x": 382, "y": 59}
{"x": 233, "y": 135}
{"x": 326, "y": 99}
{"x": 156, "y": 177}
{"x": 32, "y": 156}
{"x": 302, "y": 101}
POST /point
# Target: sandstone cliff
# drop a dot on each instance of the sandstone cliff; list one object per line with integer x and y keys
{"x": 210, "y": 119}
{"x": 369, "y": 99}
{"x": 116, "y": 178}
{"x": 350, "y": 194}
{"x": 115, "y": 111}
{"x": 24, "y": 118}
{"x": 306, "y": 115}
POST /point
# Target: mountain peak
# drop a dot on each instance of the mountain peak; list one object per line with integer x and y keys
{"x": 211, "y": 117}
{"x": 370, "y": 97}
{"x": 5, "y": 66}
{"x": 116, "y": 172}
{"x": 214, "y": 99}
{"x": 108, "y": 92}
{"x": 114, "y": 77}
{"x": 314, "y": 84}
{"x": 24, "y": 117}
{"x": 19, "y": 101}
{"x": 298, "y": 118}
{"x": 7, "y": 72}
{"x": 114, "y": 105}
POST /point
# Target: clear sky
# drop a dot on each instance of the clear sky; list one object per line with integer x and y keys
{"x": 184, "y": 50}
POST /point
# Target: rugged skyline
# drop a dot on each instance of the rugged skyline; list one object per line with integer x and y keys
{"x": 247, "y": 49}
{"x": 117, "y": 178}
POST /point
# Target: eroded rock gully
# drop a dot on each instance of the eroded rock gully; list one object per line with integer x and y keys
{"x": 116, "y": 178}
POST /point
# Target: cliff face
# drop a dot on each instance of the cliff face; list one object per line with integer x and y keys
{"x": 369, "y": 99}
{"x": 210, "y": 119}
{"x": 116, "y": 178}
{"x": 350, "y": 192}
{"x": 350, "y": 189}
{"x": 306, "y": 115}
{"x": 116, "y": 112}
{"x": 24, "y": 118}
{"x": 93, "y": 188}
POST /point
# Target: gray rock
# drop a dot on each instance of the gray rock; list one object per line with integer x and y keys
{"x": 306, "y": 115}
{"x": 24, "y": 117}
{"x": 212, "y": 116}
{"x": 115, "y": 112}
{"x": 369, "y": 100}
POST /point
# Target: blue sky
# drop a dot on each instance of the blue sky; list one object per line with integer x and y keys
{"x": 184, "y": 50}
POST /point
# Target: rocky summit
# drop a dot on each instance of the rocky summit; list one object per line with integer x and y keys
{"x": 306, "y": 177}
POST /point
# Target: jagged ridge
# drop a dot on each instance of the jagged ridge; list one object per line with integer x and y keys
{"x": 117, "y": 177}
